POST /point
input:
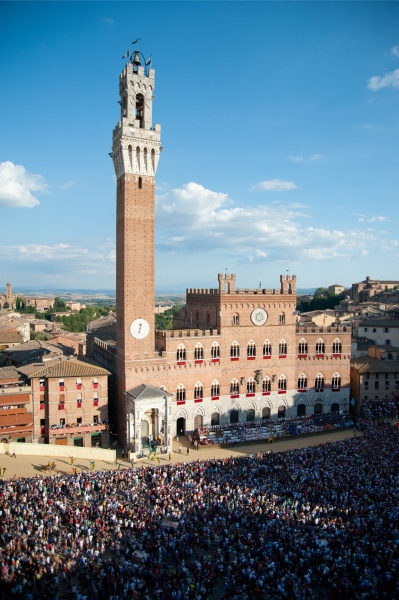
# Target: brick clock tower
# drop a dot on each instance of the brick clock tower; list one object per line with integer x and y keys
{"x": 135, "y": 153}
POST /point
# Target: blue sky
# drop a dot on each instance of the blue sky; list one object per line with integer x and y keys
{"x": 280, "y": 124}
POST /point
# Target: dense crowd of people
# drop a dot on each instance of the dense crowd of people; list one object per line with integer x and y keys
{"x": 316, "y": 523}
{"x": 263, "y": 429}
{"x": 381, "y": 408}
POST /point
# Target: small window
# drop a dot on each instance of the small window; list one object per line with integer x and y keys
{"x": 303, "y": 347}
{"x": 320, "y": 347}
{"x": 236, "y": 319}
{"x": 181, "y": 353}
{"x": 234, "y": 387}
{"x": 282, "y": 348}
{"x": 234, "y": 350}
{"x": 181, "y": 393}
{"x": 215, "y": 389}
{"x": 282, "y": 383}
{"x": 198, "y": 352}
{"x": 337, "y": 347}
{"x": 319, "y": 383}
{"x": 95, "y": 419}
{"x": 281, "y": 318}
{"x": 266, "y": 384}
{"x": 302, "y": 382}
{"x": 336, "y": 382}
{"x": 215, "y": 350}
{"x": 251, "y": 386}
{"x": 198, "y": 391}
{"x": 140, "y": 183}
{"x": 267, "y": 348}
{"x": 251, "y": 350}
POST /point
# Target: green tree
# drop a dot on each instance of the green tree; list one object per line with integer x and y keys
{"x": 59, "y": 305}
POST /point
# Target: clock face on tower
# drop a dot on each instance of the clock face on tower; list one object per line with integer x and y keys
{"x": 140, "y": 328}
{"x": 259, "y": 316}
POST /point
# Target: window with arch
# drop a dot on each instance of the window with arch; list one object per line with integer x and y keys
{"x": 282, "y": 383}
{"x": 215, "y": 418}
{"x": 336, "y": 382}
{"x": 215, "y": 389}
{"x": 198, "y": 352}
{"x": 319, "y": 383}
{"x": 301, "y": 410}
{"x": 138, "y": 157}
{"x": 153, "y": 159}
{"x": 303, "y": 347}
{"x": 266, "y": 412}
{"x": 251, "y": 386}
{"x": 215, "y": 350}
{"x": 140, "y": 183}
{"x": 181, "y": 353}
{"x": 335, "y": 407}
{"x": 266, "y": 384}
{"x": 234, "y": 350}
{"x": 140, "y": 109}
{"x": 320, "y": 347}
{"x": 281, "y": 318}
{"x": 251, "y": 349}
{"x": 250, "y": 414}
{"x": 267, "y": 348}
{"x": 282, "y": 348}
{"x": 130, "y": 151}
{"x": 181, "y": 393}
{"x": 302, "y": 382}
{"x": 337, "y": 347}
{"x": 234, "y": 387}
{"x": 318, "y": 408}
{"x": 198, "y": 391}
{"x": 236, "y": 319}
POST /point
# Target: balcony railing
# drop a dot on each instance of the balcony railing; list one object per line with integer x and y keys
{"x": 77, "y": 428}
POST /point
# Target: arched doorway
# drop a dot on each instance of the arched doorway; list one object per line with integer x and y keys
{"x": 250, "y": 414}
{"x": 215, "y": 418}
{"x": 318, "y": 408}
{"x": 266, "y": 412}
{"x": 198, "y": 421}
{"x": 301, "y": 410}
{"x": 181, "y": 426}
{"x": 145, "y": 434}
{"x": 233, "y": 416}
{"x": 335, "y": 407}
{"x": 281, "y": 412}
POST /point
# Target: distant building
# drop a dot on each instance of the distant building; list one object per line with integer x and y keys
{"x": 70, "y": 403}
{"x": 16, "y": 408}
{"x": 336, "y": 289}
{"x": 41, "y": 304}
{"x": 8, "y": 299}
{"x": 364, "y": 290}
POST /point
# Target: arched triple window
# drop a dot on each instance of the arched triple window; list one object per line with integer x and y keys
{"x": 181, "y": 353}
{"x": 303, "y": 347}
{"x": 234, "y": 350}
{"x": 337, "y": 347}
{"x": 266, "y": 384}
{"x": 251, "y": 349}
{"x": 267, "y": 348}
{"x": 236, "y": 319}
{"x": 251, "y": 386}
{"x": 319, "y": 383}
{"x": 215, "y": 350}
{"x": 320, "y": 347}
{"x": 282, "y": 348}
{"x": 198, "y": 391}
{"x": 234, "y": 387}
{"x": 215, "y": 389}
{"x": 282, "y": 383}
{"x": 199, "y": 352}
{"x": 181, "y": 393}
{"x": 281, "y": 318}
{"x": 336, "y": 382}
{"x": 302, "y": 382}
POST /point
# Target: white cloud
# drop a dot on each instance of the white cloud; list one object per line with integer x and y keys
{"x": 395, "y": 51}
{"x": 273, "y": 185}
{"x": 374, "y": 219}
{"x": 391, "y": 79}
{"x": 67, "y": 185}
{"x": 17, "y": 185}
{"x": 299, "y": 158}
{"x": 194, "y": 220}
{"x": 41, "y": 252}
